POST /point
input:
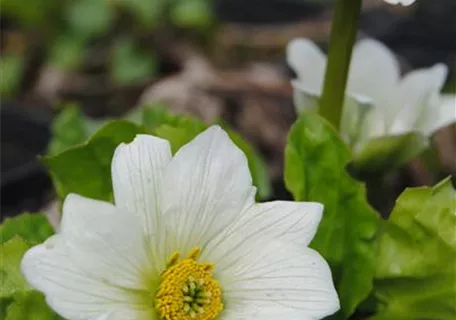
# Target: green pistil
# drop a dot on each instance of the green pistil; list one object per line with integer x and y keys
{"x": 195, "y": 297}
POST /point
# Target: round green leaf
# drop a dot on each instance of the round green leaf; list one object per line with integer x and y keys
{"x": 416, "y": 259}
{"x": 88, "y": 18}
{"x": 32, "y": 227}
{"x": 129, "y": 64}
{"x": 86, "y": 169}
{"x": 192, "y": 14}
{"x": 315, "y": 160}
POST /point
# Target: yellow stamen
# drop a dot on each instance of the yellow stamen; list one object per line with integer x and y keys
{"x": 188, "y": 290}
{"x": 194, "y": 253}
{"x": 173, "y": 259}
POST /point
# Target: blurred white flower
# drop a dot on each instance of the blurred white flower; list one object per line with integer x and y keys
{"x": 378, "y": 101}
{"x": 402, "y": 2}
{"x": 184, "y": 240}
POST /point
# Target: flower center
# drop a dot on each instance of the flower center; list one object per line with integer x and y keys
{"x": 188, "y": 290}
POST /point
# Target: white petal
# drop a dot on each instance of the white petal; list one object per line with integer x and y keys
{"x": 277, "y": 279}
{"x": 287, "y": 221}
{"x": 128, "y": 315}
{"x": 443, "y": 115}
{"x": 137, "y": 174}
{"x": 271, "y": 313}
{"x": 106, "y": 316}
{"x": 417, "y": 98}
{"x": 304, "y": 100}
{"x": 403, "y": 2}
{"x": 69, "y": 290}
{"x": 309, "y": 63}
{"x": 206, "y": 186}
{"x": 374, "y": 73}
{"x": 106, "y": 242}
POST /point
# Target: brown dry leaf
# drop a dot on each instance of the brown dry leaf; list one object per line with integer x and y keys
{"x": 183, "y": 92}
{"x": 50, "y": 82}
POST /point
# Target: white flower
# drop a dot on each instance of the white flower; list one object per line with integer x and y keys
{"x": 402, "y": 2}
{"x": 184, "y": 240}
{"x": 378, "y": 102}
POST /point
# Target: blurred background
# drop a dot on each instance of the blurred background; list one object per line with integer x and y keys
{"x": 208, "y": 58}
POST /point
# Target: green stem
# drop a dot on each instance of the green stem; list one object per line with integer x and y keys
{"x": 343, "y": 35}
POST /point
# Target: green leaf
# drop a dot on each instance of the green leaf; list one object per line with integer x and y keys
{"x": 71, "y": 128}
{"x": 129, "y": 64}
{"x": 12, "y": 280}
{"x": 32, "y": 13}
{"x": 88, "y": 18}
{"x": 315, "y": 160}
{"x": 157, "y": 114}
{"x": 182, "y": 134}
{"x": 17, "y": 299}
{"x": 416, "y": 259}
{"x": 86, "y": 169}
{"x": 30, "y": 306}
{"x": 73, "y": 170}
{"x": 387, "y": 153}
{"x": 67, "y": 52}
{"x": 68, "y": 130}
{"x": 192, "y": 14}
{"x": 148, "y": 13}
{"x": 11, "y": 72}
{"x": 33, "y": 228}
{"x": 4, "y": 303}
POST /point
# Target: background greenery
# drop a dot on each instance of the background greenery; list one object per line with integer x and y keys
{"x": 390, "y": 259}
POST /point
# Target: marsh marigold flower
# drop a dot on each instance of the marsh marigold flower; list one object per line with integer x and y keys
{"x": 184, "y": 240}
{"x": 378, "y": 101}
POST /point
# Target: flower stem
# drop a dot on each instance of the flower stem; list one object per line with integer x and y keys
{"x": 343, "y": 35}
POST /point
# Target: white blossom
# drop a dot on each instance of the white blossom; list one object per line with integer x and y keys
{"x": 378, "y": 101}
{"x": 184, "y": 240}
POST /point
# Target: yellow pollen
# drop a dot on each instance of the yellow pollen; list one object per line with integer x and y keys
{"x": 188, "y": 290}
